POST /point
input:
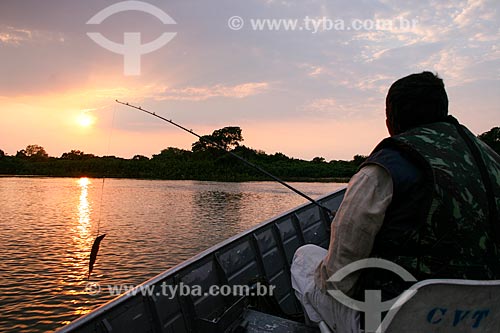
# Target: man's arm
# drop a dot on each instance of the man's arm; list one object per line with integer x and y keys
{"x": 356, "y": 224}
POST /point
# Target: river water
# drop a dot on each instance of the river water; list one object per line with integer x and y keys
{"x": 48, "y": 226}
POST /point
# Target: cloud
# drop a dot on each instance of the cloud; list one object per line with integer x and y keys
{"x": 342, "y": 110}
{"x": 377, "y": 82}
{"x": 17, "y": 36}
{"x": 11, "y": 35}
{"x": 471, "y": 12}
{"x": 322, "y": 105}
{"x": 313, "y": 70}
{"x": 206, "y": 92}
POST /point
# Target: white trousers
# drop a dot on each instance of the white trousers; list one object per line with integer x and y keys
{"x": 319, "y": 306}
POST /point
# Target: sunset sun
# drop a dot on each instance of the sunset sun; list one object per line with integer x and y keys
{"x": 85, "y": 120}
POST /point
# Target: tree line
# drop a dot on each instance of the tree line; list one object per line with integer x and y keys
{"x": 205, "y": 161}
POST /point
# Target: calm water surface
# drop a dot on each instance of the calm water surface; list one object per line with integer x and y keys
{"x": 48, "y": 226}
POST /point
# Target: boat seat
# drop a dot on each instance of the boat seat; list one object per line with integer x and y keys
{"x": 446, "y": 306}
{"x": 259, "y": 322}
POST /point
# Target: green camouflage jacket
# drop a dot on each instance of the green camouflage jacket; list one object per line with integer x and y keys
{"x": 442, "y": 227}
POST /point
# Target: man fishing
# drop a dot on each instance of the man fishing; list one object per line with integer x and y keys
{"x": 427, "y": 199}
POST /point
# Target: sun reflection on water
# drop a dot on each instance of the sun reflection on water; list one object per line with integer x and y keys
{"x": 81, "y": 232}
{"x": 82, "y": 238}
{"x": 71, "y": 285}
{"x": 84, "y": 208}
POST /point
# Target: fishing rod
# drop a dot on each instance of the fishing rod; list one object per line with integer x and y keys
{"x": 213, "y": 143}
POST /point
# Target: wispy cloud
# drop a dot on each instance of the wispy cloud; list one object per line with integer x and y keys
{"x": 322, "y": 105}
{"x": 206, "y": 92}
{"x": 473, "y": 11}
{"x": 341, "y": 110}
{"x": 16, "y": 36}
{"x": 313, "y": 70}
{"x": 11, "y": 35}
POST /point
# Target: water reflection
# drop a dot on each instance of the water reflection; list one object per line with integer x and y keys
{"x": 84, "y": 209}
{"x": 219, "y": 211}
{"x": 76, "y": 263}
{"x": 151, "y": 225}
{"x": 81, "y": 236}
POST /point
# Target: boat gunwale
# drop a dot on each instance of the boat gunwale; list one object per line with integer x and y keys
{"x": 78, "y": 322}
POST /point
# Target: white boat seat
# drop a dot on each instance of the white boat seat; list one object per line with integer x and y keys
{"x": 446, "y": 306}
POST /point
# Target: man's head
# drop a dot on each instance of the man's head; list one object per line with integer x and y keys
{"x": 415, "y": 100}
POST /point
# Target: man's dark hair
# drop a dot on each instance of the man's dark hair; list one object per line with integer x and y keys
{"x": 416, "y": 100}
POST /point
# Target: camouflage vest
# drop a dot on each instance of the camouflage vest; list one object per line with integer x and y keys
{"x": 439, "y": 227}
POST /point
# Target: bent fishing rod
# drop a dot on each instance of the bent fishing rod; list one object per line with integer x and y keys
{"x": 215, "y": 144}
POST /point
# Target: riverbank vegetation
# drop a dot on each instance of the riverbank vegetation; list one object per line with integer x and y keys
{"x": 203, "y": 162}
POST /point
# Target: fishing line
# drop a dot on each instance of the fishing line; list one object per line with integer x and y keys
{"x": 100, "y": 207}
{"x": 104, "y": 177}
{"x": 325, "y": 209}
{"x": 99, "y": 238}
